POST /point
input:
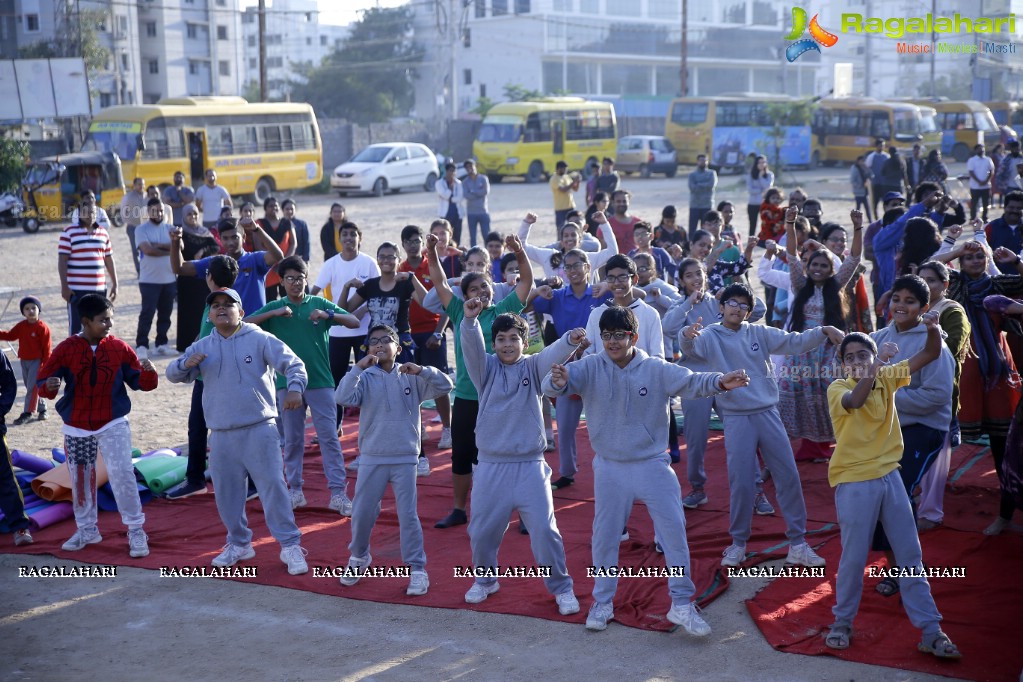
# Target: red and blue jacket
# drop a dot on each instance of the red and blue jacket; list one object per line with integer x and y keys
{"x": 94, "y": 382}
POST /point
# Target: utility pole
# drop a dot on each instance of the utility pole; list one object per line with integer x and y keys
{"x": 934, "y": 38}
{"x": 262, "y": 51}
{"x": 683, "y": 66}
{"x": 868, "y": 57}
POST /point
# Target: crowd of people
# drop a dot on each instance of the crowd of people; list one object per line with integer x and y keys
{"x": 624, "y": 319}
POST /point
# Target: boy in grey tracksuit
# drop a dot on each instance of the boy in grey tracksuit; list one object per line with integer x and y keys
{"x": 389, "y": 441}
{"x": 512, "y": 473}
{"x": 751, "y": 419}
{"x": 627, "y": 393}
{"x": 237, "y": 362}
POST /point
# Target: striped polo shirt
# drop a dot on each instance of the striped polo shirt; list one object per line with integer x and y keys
{"x": 85, "y": 250}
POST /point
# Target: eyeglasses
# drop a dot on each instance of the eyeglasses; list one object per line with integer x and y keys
{"x": 617, "y": 336}
{"x": 292, "y": 279}
{"x": 379, "y": 341}
{"x": 732, "y": 303}
{"x": 575, "y": 266}
{"x": 618, "y": 279}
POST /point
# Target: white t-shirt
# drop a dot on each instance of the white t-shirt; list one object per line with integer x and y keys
{"x": 651, "y": 335}
{"x": 983, "y": 167}
{"x": 335, "y": 273}
{"x": 154, "y": 269}
{"x": 212, "y": 199}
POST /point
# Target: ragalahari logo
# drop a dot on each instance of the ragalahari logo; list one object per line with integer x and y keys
{"x": 818, "y": 36}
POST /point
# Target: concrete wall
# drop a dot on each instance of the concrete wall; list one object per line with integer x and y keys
{"x": 342, "y": 139}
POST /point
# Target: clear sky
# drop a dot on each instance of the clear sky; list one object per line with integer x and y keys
{"x": 340, "y": 12}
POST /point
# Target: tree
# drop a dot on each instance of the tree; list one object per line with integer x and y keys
{"x": 483, "y": 105}
{"x": 783, "y": 115}
{"x": 12, "y": 162}
{"x": 517, "y": 93}
{"x": 370, "y": 77}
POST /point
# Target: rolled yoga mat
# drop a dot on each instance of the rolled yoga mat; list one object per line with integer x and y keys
{"x": 168, "y": 452}
{"x": 58, "y": 455}
{"x": 105, "y": 497}
{"x": 148, "y": 468}
{"x": 55, "y": 484}
{"x": 169, "y": 478}
{"x": 37, "y": 465}
{"x": 49, "y": 515}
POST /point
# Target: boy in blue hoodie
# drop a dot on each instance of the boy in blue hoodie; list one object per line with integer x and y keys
{"x": 751, "y": 420}
{"x": 236, "y": 362}
{"x": 390, "y": 437}
{"x": 627, "y": 394}
{"x": 512, "y": 474}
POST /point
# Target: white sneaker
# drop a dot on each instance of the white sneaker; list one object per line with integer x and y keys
{"x": 803, "y": 555}
{"x": 353, "y": 572}
{"x": 599, "y": 616}
{"x": 80, "y": 539}
{"x": 294, "y": 557}
{"x": 354, "y": 464}
{"x": 445, "y": 438}
{"x": 423, "y": 467}
{"x": 567, "y": 603}
{"x": 138, "y": 543}
{"x": 340, "y": 503}
{"x": 297, "y": 499}
{"x": 232, "y": 554}
{"x": 142, "y": 352}
{"x": 163, "y": 351}
{"x": 479, "y": 592}
{"x": 419, "y": 584}
{"x": 734, "y": 555}
{"x": 688, "y": 616}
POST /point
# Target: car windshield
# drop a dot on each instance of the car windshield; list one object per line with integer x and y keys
{"x": 371, "y": 155}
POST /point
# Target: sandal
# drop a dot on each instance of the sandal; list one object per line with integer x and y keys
{"x": 838, "y": 637}
{"x": 941, "y": 646}
{"x": 888, "y": 587}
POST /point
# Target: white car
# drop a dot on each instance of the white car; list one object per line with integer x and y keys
{"x": 387, "y": 167}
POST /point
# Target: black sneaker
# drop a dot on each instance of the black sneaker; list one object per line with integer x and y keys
{"x": 562, "y": 482}
{"x": 42, "y": 416}
{"x": 457, "y": 517}
{"x": 186, "y": 489}
{"x": 25, "y": 416}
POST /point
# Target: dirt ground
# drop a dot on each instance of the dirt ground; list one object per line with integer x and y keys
{"x": 123, "y": 628}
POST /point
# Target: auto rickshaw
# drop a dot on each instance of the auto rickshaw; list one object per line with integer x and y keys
{"x": 53, "y": 186}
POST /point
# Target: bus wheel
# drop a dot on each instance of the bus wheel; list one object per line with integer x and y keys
{"x": 960, "y": 152}
{"x": 535, "y": 172}
{"x": 815, "y": 160}
{"x": 264, "y": 189}
{"x": 379, "y": 187}
{"x": 431, "y": 183}
{"x": 31, "y": 225}
{"x": 495, "y": 179}
{"x": 644, "y": 170}
{"x": 116, "y": 218}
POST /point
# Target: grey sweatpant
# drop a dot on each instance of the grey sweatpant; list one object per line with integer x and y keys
{"x": 616, "y": 486}
{"x": 115, "y": 444}
{"x": 696, "y": 420}
{"x": 567, "y": 414}
{"x": 29, "y": 372}
{"x": 860, "y": 505}
{"x": 744, "y": 433}
{"x": 252, "y": 451}
{"x": 320, "y": 402}
{"x": 369, "y": 490}
{"x": 498, "y": 489}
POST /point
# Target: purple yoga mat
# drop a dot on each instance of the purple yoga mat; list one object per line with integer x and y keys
{"x": 31, "y": 463}
{"x": 105, "y": 497}
{"x": 47, "y": 516}
{"x": 58, "y": 455}
{"x": 172, "y": 452}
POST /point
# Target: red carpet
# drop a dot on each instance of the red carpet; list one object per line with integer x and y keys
{"x": 980, "y": 612}
{"x": 189, "y": 533}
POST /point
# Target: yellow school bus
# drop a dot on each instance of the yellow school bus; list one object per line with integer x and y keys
{"x": 527, "y": 139}
{"x": 964, "y": 125}
{"x": 256, "y": 149}
{"x": 846, "y": 127}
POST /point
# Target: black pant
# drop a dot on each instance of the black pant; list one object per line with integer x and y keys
{"x": 157, "y": 299}
{"x": 865, "y": 204}
{"x": 12, "y": 503}
{"x": 695, "y": 215}
{"x": 753, "y": 210}
{"x": 672, "y": 432}
{"x": 464, "y": 452}
{"x": 983, "y": 197}
{"x": 341, "y": 349}
{"x": 456, "y": 222}
{"x": 198, "y": 434}
{"x": 921, "y": 445}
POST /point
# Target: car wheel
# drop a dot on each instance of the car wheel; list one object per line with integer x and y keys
{"x": 379, "y": 187}
{"x": 264, "y": 189}
{"x": 342, "y": 194}
{"x": 495, "y": 179}
{"x": 31, "y": 225}
{"x": 815, "y": 160}
{"x": 535, "y": 172}
{"x": 670, "y": 173}
{"x": 431, "y": 183}
{"x": 644, "y": 170}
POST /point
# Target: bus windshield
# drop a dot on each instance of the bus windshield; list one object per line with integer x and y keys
{"x": 928, "y": 121}
{"x": 906, "y": 123}
{"x": 122, "y": 144}
{"x": 500, "y": 129}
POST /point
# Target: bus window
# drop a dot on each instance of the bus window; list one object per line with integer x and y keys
{"x": 984, "y": 122}
{"x": 271, "y": 138}
{"x": 848, "y": 123}
{"x": 225, "y": 141}
{"x": 1017, "y": 118}
{"x": 684, "y": 113}
{"x": 286, "y": 143}
{"x": 538, "y": 128}
{"x": 880, "y": 126}
{"x": 906, "y": 124}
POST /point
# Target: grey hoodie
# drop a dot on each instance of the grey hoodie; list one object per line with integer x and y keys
{"x": 928, "y": 398}
{"x": 510, "y": 424}
{"x": 238, "y": 381}
{"x": 750, "y": 348}
{"x": 627, "y": 408}
{"x": 389, "y": 425}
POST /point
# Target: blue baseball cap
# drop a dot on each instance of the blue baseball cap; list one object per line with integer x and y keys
{"x": 231, "y": 293}
{"x": 892, "y": 196}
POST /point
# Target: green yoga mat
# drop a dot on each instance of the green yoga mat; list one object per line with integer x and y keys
{"x": 152, "y": 471}
{"x": 169, "y": 478}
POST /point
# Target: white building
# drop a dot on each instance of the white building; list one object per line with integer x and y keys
{"x": 294, "y": 38}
